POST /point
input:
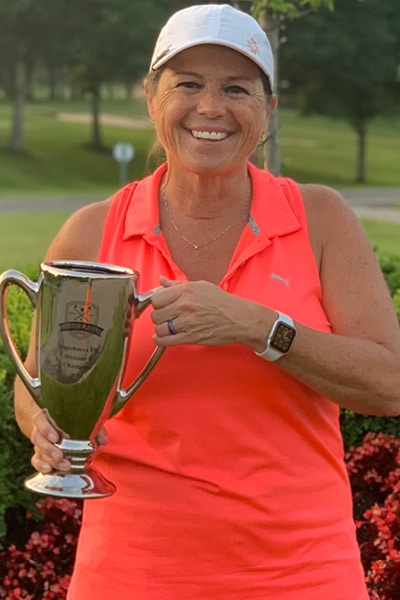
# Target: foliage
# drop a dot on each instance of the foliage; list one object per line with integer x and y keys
{"x": 354, "y": 73}
{"x": 42, "y": 569}
{"x": 15, "y": 449}
{"x": 288, "y": 8}
{"x": 390, "y": 266}
{"x": 80, "y": 44}
{"x": 374, "y": 470}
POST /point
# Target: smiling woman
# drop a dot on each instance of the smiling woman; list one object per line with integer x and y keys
{"x": 214, "y": 112}
{"x": 228, "y": 462}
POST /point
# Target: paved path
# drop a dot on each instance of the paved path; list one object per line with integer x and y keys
{"x": 27, "y": 205}
{"x": 380, "y": 204}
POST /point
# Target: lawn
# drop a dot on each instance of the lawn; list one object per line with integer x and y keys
{"x": 24, "y": 238}
{"x": 59, "y": 163}
{"x": 321, "y": 150}
{"x": 385, "y": 237}
{"x": 58, "y": 160}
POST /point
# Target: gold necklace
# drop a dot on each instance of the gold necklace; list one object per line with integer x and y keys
{"x": 216, "y": 237}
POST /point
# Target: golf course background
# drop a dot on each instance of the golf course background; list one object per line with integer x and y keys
{"x": 59, "y": 163}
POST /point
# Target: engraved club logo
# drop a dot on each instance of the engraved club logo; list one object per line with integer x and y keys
{"x": 81, "y": 319}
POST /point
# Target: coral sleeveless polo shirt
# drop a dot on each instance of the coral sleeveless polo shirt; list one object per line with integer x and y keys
{"x": 230, "y": 477}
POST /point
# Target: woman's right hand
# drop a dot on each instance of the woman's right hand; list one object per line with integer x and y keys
{"x": 45, "y": 435}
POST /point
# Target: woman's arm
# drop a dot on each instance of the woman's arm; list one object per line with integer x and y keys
{"x": 358, "y": 365}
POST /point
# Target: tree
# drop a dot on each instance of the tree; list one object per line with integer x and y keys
{"x": 110, "y": 39}
{"x": 345, "y": 64}
{"x": 96, "y": 41}
{"x": 53, "y": 46}
{"x": 17, "y": 24}
{"x": 271, "y": 15}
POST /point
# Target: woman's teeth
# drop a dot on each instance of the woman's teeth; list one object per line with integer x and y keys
{"x": 209, "y": 135}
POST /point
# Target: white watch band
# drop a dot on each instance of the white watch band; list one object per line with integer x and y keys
{"x": 272, "y": 354}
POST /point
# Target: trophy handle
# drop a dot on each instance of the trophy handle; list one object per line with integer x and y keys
{"x": 141, "y": 302}
{"x": 31, "y": 289}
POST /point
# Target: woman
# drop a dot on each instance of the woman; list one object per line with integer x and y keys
{"x": 228, "y": 461}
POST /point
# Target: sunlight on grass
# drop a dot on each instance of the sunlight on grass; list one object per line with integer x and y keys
{"x": 24, "y": 238}
{"x": 58, "y": 159}
{"x": 385, "y": 237}
{"x": 58, "y": 163}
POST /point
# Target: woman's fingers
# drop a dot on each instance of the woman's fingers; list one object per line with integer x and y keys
{"x": 45, "y": 435}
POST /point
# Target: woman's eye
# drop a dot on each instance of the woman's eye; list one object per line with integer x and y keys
{"x": 190, "y": 85}
{"x": 236, "y": 89}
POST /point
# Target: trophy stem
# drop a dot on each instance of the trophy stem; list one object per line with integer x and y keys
{"x": 82, "y": 481}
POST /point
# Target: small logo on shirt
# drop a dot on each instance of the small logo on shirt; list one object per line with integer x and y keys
{"x": 281, "y": 279}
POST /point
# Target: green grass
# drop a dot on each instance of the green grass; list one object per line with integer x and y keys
{"x": 58, "y": 160}
{"x": 24, "y": 238}
{"x": 321, "y": 150}
{"x": 385, "y": 237}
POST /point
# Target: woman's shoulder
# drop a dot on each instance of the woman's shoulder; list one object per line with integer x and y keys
{"x": 326, "y": 207}
{"x": 318, "y": 195}
{"x": 331, "y": 221}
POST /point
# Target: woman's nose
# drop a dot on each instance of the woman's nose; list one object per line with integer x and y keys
{"x": 211, "y": 102}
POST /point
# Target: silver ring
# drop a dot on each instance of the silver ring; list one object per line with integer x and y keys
{"x": 171, "y": 327}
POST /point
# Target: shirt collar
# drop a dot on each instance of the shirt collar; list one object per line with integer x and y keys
{"x": 271, "y": 212}
{"x": 142, "y": 216}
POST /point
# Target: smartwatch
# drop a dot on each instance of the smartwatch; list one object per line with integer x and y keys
{"x": 279, "y": 339}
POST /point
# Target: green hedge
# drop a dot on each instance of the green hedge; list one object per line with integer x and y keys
{"x": 15, "y": 449}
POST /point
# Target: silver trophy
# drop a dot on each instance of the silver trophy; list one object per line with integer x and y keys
{"x": 85, "y": 312}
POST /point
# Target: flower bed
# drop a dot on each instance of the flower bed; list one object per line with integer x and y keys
{"x": 41, "y": 570}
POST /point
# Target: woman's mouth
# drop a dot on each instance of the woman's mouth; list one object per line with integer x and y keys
{"x": 208, "y": 135}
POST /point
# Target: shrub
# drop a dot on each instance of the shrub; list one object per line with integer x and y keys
{"x": 390, "y": 266}
{"x": 15, "y": 449}
{"x": 42, "y": 569}
{"x": 374, "y": 470}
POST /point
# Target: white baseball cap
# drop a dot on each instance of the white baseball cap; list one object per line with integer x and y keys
{"x": 219, "y": 24}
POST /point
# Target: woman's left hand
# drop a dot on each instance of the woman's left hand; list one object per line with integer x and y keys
{"x": 198, "y": 312}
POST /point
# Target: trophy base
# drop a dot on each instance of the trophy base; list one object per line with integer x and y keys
{"x": 82, "y": 486}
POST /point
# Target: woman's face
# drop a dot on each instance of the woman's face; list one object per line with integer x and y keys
{"x": 209, "y": 108}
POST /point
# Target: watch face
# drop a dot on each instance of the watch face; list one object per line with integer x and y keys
{"x": 283, "y": 338}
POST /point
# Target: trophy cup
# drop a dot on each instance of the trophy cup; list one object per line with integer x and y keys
{"x": 84, "y": 314}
